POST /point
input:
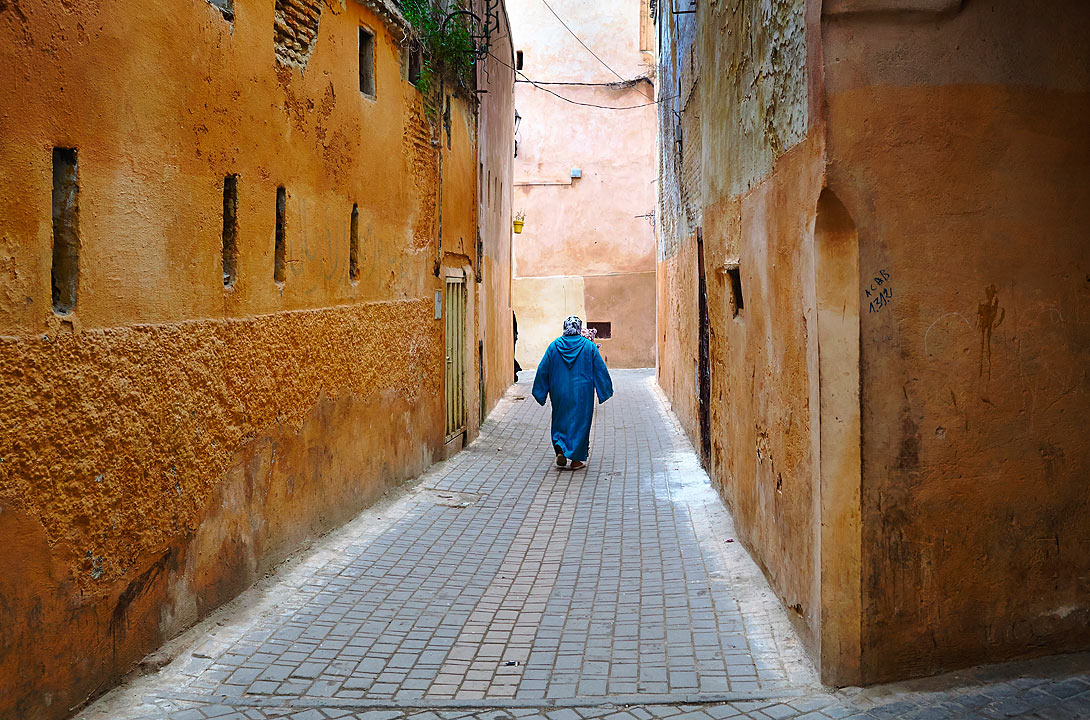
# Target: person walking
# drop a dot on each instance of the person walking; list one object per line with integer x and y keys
{"x": 570, "y": 373}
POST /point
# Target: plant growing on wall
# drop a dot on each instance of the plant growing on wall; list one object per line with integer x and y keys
{"x": 447, "y": 47}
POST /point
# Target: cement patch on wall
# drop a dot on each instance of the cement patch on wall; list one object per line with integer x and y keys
{"x": 541, "y": 304}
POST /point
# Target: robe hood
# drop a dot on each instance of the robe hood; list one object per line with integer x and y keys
{"x": 569, "y": 347}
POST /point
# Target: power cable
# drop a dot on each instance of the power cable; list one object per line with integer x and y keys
{"x": 576, "y": 102}
{"x": 587, "y": 48}
{"x": 613, "y": 85}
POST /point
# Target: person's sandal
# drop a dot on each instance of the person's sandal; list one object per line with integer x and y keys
{"x": 561, "y": 461}
{"x": 578, "y": 465}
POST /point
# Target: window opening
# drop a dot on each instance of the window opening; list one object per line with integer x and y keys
{"x": 281, "y": 231}
{"x": 735, "y": 276}
{"x": 230, "y": 229}
{"x": 446, "y": 121}
{"x": 354, "y": 246}
{"x": 367, "y": 62}
{"x": 65, "y": 274}
{"x": 518, "y": 59}
{"x": 480, "y": 258}
{"x": 602, "y": 329}
{"x": 416, "y": 61}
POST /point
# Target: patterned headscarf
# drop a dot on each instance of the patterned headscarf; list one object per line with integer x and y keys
{"x": 572, "y": 326}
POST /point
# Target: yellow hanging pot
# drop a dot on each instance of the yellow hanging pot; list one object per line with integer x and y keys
{"x": 519, "y": 225}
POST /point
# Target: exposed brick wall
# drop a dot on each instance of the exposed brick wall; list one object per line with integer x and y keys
{"x": 296, "y": 30}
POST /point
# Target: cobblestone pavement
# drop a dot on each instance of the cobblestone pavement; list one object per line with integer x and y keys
{"x": 501, "y": 587}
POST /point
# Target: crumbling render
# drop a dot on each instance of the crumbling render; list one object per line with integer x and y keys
{"x": 295, "y": 30}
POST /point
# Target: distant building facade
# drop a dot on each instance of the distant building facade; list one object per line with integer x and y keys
{"x": 584, "y": 176}
{"x": 248, "y": 285}
{"x": 873, "y": 313}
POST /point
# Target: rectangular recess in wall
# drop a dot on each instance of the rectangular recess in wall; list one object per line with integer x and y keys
{"x": 604, "y": 329}
{"x": 734, "y": 277}
{"x": 446, "y": 121}
{"x": 230, "y": 230}
{"x": 416, "y": 63}
{"x": 281, "y": 231}
{"x": 354, "y": 246}
{"x": 65, "y": 274}
{"x": 367, "y": 62}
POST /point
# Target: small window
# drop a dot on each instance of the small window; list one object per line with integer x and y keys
{"x": 446, "y": 121}
{"x": 416, "y": 64}
{"x": 354, "y": 246}
{"x": 734, "y": 275}
{"x": 518, "y": 59}
{"x": 230, "y": 229}
{"x": 602, "y": 329}
{"x": 367, "y": 62}
{"x": 65, "y": 274}
{"x": 281, "y": 231}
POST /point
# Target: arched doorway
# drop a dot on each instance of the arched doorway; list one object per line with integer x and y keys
{"x": 836, "y": 268}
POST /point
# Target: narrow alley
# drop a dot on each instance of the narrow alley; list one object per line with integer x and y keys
{"x": 277, "y": 277}
{"x": 498, "y": 586}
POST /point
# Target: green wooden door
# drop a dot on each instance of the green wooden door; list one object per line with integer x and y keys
{"x": 455, "y": 309}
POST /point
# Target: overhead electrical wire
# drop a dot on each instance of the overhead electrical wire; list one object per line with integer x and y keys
{"x": 540, "y": 86}
{"x": 587, "y": 48}
{"x": 614, "y": 85}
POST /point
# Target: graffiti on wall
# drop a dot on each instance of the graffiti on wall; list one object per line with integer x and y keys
{"x": 880, "y": 291}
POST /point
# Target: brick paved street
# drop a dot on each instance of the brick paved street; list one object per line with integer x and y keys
{"x": 501, "y": 587}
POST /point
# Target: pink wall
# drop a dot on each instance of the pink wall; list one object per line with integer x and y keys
{"x": 595, "y": 230}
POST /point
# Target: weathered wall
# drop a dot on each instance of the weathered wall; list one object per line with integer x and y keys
{"x": 141, "y": 492}
{"x": 494, "y": 186}
{"x": 631, "y": 297}
{"x": 173, "y": 438}
{"x": 958, "y": 146}
{"x": 760, "y": 421}
{"x": 895, "y": 413}
{"x": 677, "y": 215}
{"x": 536, "y": 302}
{"x": 596, "y": 226}
{"x": 677, "y": 325}
{"x": 738, "y": 163}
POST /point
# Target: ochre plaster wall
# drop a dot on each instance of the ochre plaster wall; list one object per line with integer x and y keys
{"x": 967, "y": 174}
{"x": 596, "y": 226}
{"x": 759, "y": 173}
{"x": 171, "y": 439}
{"x": 497, "y": 150}
{"x": 760, "y": 419}
{"x": 152, "y": 472}
{"x": 925, "y": 509}
{"x": 678, "y": 327}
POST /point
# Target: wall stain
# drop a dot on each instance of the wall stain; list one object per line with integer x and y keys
{"x": 908, "y": 456}
{"x": 989, "y": 316}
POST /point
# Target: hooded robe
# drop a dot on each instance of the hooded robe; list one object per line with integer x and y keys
{"x": 570, "y": 372}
